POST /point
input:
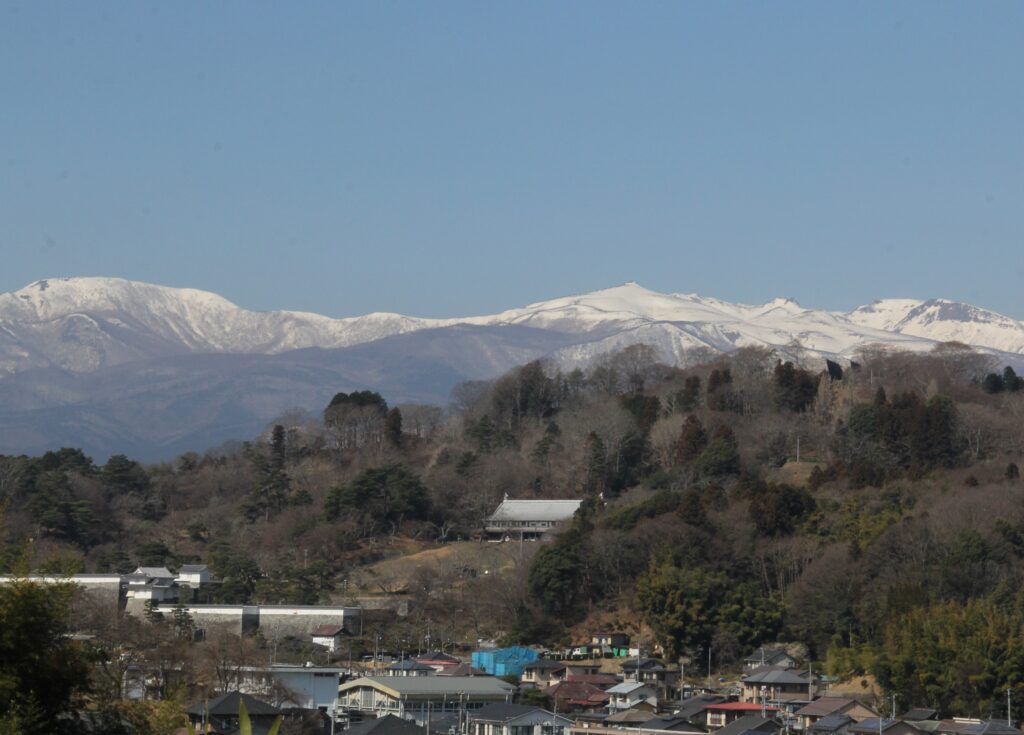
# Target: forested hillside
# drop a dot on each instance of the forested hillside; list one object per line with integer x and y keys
{"x": 873, "y": 512}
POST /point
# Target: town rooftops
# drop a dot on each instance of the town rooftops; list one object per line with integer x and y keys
{"x": 990, "y": 727}
{"x": 776, "y": 676}
{"x": 425, "y": 686}
{"x": 872, "y": 725}
{"x": 695, "y": 705}
{"x": 408, "y": 665}
{"x": 672, "y": 723}
{"x": 627, "y": 687}
{"x": 831, "y": 723}
{"x": 504, "y": 711}
{"x": 916, "y": 714}
{"x": 534, "y": 510}
{"x": 227, "y": 706}
{"x": 825, "y": 706}
{"x": 738, "y": 707}
{"x": 767, "y": 656}
{"x": 387, "y": 725}
{"x": 750, "y": 723}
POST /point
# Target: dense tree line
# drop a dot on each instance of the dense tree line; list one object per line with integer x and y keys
{"x": 699, "y": 521}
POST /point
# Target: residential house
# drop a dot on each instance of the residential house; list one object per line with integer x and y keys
{"x": 577, "y": 696}
{"x": 439, "y": 661}
{"x": 920, "y": 714}
{"x": 413, "y": 697}
{"x": 670, "y": 723}
{"x": 650, "y": 671}
{"x": 386, "y": 725}
{"x": 543, "y": 672}
{"x": 872, "y": 726}
{"x": 694, "y": 709}
{"x": 222, "y": 713}
{"x": 528, "y": 519}
{"x": 776, "y": 657}
{"x": 825, "y": 706}
{"x": 777, "y": 685}
{"x": 329, "y": 636}
{"x": 831, "y": 725}
{"x": 516, "y": 719}
{"x": 990, "y": 727}
{"x": 408, "y": 667}
{"x": 630, "y": 694}
{"x": 717, "y": 716}
{"x": 751, "y": 725}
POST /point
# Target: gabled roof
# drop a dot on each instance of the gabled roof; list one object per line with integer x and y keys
{"x": 739, "y": 707}
{"x": 160, "y": 572}
{"x": 776, "y": 676}
{"x": 750, "y": 723}
{"x": 227, "y": 706}
{"x": 920, "y": 713}
{"x": 673, "y": 723}
{"x": 408, "y": 665}
{"x": 434, "y": 685}
{"x": 535, "y": 510}
{"x": 871, "y": 725}
{"x": 695, "y": 705}
{"x": 831, "y": 723}
{"x": 990, "y": 727}
{"x": 766, "y": 656}
{"x": 825, "y": 706}
{"x": 577, "y": 691}
{"x": 629, "y": 716}
{"x": 504, "y": 712}
{"x": 627, "y": 687}
{"x": 386, "y": 725}
{"x": 438, "y": 657}
{"x": 646, "y": 664}
{"x": 328, "y": 630}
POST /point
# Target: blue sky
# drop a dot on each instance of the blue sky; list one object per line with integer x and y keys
{"x": 455, "y": 158}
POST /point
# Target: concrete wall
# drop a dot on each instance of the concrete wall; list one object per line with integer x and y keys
{"x": 273, "y": 621}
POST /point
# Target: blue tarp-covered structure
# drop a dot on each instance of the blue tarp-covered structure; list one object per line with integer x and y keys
{"x": 504, "y": 661}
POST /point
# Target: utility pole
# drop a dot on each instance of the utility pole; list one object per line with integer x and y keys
{"x": 1009, "y": 708}
{"x": 709, "y": 666}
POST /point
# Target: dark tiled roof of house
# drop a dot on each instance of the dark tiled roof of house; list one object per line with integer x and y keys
{"x": 990, "y": 727}
{"x": 674, "y": 723}
{"x": 766, "y": 656}
{"x": 872, "y": 725}
{"x": 227, "y": 706}
{"x": 831, "y": 723}
{"x": 386, "y": 725}
{"x": 750, "y": 723}
{"x": 776, "y": 676}
{"x": 920, "y": 713}
{"x": 825, "y": 706}
{"x": 503, "y": 712}
{"x": 695, "y": 705}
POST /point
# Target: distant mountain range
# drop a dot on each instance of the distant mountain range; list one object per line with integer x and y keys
{"x": 120, "y": 366}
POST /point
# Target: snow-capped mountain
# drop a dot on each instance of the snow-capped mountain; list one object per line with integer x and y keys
{"x": 87, "y": 324}
{"x": 117, "y": 365}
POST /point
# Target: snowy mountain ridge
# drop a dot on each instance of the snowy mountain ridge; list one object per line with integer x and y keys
{"x": 86, "y": 324}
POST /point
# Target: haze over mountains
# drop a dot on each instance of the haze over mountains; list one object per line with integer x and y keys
{"x": 119, "y": 366}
